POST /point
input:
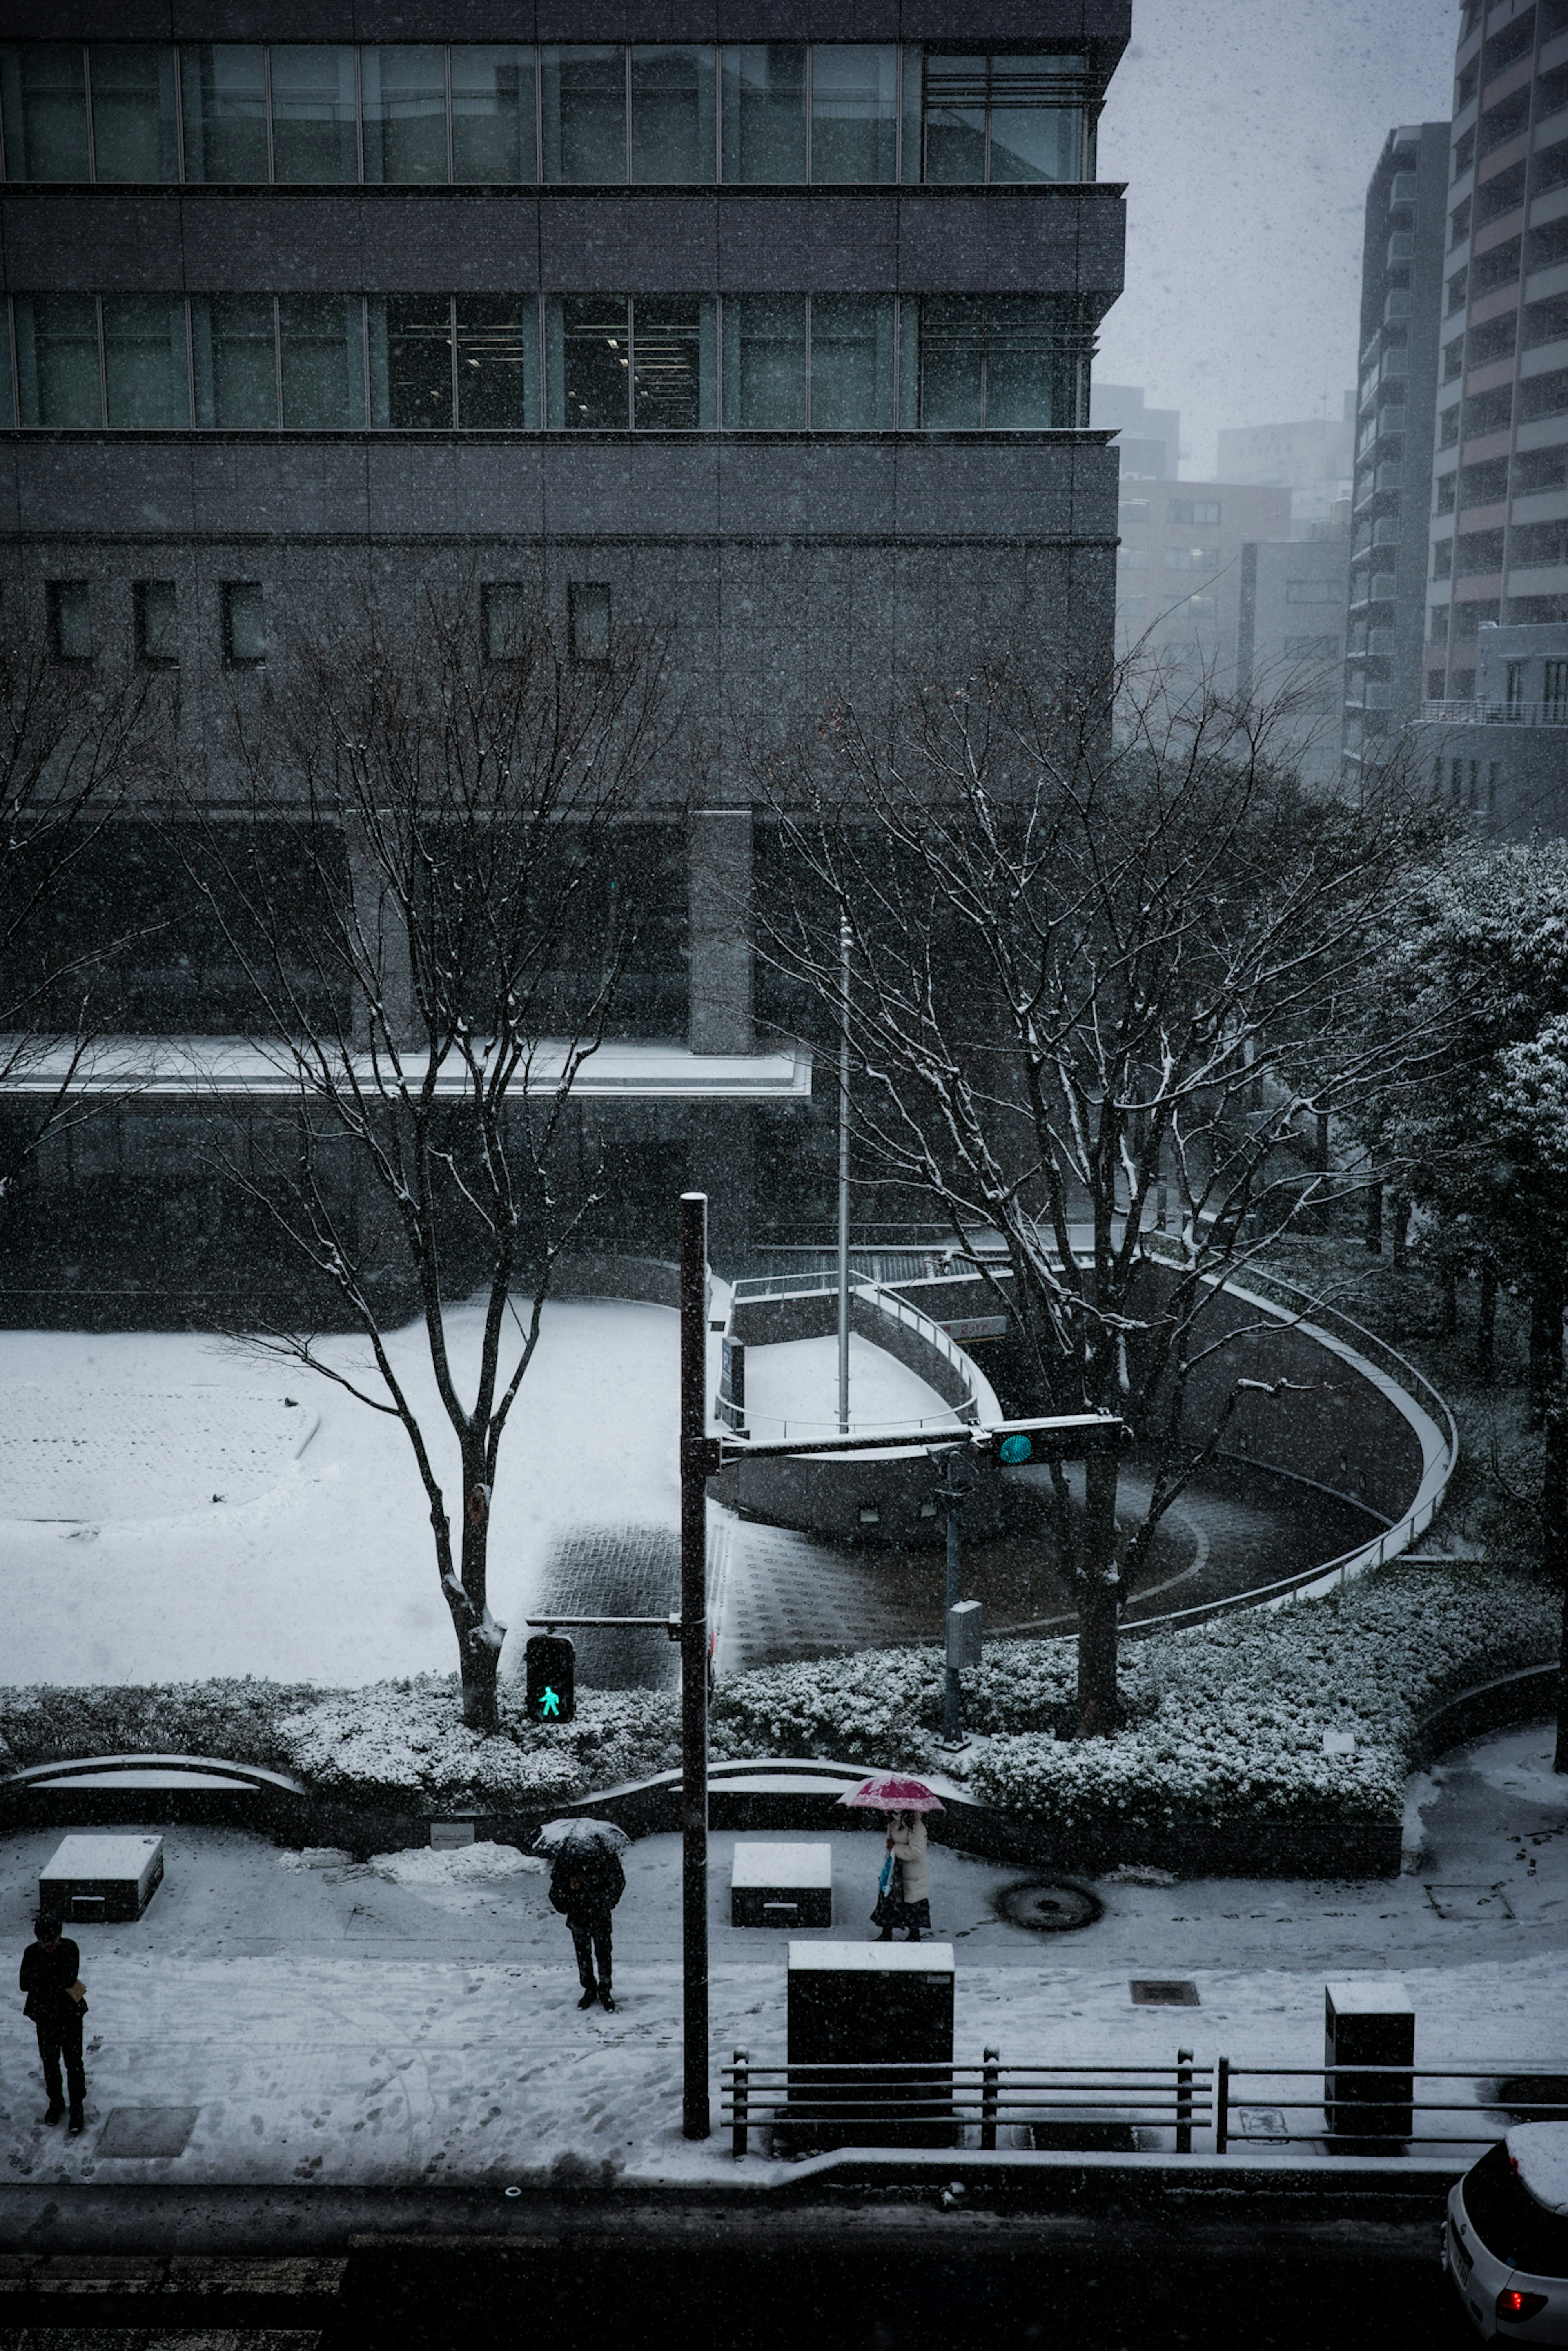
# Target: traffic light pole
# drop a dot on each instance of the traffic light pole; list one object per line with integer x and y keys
{"x": 699, "y": 1459}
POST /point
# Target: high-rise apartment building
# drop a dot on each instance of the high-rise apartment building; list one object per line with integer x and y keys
{"x": 766, "y": 322}
{"x": 1498, "y": 590}
{"x": 1401, "y": 298}
{"x": 1311, "y": 457}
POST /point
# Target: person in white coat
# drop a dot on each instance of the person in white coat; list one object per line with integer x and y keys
{"x": 905, "y": 1899}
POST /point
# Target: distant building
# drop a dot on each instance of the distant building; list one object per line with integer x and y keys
{"x": 1401, "y": 298}
{"x": 1150, "y": 443}
{"x": 1498, "y": 593}
{"x": 1291, "y": 641}
{"x": 1310, "y": 459}
{"x": 1179, "y": 570}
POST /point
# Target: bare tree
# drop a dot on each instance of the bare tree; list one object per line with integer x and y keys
{"x": 424, "y": 841}
{"x": 75, "y": 747}
{"x": 1095, "y": 974}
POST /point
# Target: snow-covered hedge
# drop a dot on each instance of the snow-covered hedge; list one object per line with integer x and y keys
{"x": 1224, "y": 1722}
{"x": 395, "y": 1740}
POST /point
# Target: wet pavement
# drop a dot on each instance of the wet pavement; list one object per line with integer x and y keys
{"x": 776, "y": 1595}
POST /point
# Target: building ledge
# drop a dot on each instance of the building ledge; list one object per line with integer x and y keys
{"x": 631, "y": 1070}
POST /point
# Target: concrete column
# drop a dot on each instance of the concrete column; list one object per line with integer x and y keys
{"x": 719, "y": 871}
{"x": 384, "y": 934}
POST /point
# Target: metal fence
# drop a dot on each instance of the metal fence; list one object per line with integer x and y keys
{"x": 982, "y": 2098}
{"x": 1370, "y": 2109}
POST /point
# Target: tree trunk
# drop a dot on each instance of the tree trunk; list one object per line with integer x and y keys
{"x": 1450, "y": 1320}
{"x": 1100, "y": 1595}
{"x": 1486, "y": 1325}
{"x": 1545, "y": 1339}
{"x": 1373, "y": 1235}
{"x": 481, "y": 1670}
{"x": 1554, "y": 1544}
{"x": 478, "y": 1641}
{"x": 1400, "y": 1206}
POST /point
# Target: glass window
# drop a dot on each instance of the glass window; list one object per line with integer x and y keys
{"x": 672, "y": 114}
{"x": 244, "y": 623}
{"x": 584, "y": 112}
{"x": 157, "y": 624}
{"x": 411, "y": 361}
{"x": 1004, "y": 119}
{"x": 70, "y": 620}
{"x": 672, "y": 349}
{"x": 504, "y": 614}
{"x": 497, "y": 362}
{"x": 765, "y": 362}
{"x": 492, "y": 130}
{"x": 44, "y": 90}
{"x": 998, "y": 362}
{"x": 404, "y": 100}
{"x": 314, "y": 137}
{"x": 855, "y": 110}
{"x": 590, "y": 361}
{"x": 7, "y": 396}
{"x": 764, "y": 112}
{"x": 322, "y": 365}
{"x": 57, "y": 359}
{"x": 133, "y": 113}
{"x": 852, "y": 343}
{"x": 234, "y": 355}
{"x": 146, "y": 377}
{"x": 588, "y": 621}
{"x": 223, "y": 90}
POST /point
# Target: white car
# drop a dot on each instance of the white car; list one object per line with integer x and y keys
{"x": 1505, "y": 2245}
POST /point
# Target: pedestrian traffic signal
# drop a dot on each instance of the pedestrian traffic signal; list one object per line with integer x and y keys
{"x": 1066, "y": 1436}
{"x": 550, "y": 1671}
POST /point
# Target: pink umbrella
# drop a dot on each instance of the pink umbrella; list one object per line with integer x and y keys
{"x": 886, "y": 1793}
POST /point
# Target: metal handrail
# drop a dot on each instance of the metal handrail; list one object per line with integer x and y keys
{"x": 1395, "y": 2081}
{"x": 887, "y": 1300}
{"x": 986, "y": 2094}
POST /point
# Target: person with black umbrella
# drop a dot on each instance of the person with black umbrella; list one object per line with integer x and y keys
{"x": 55, "y": 2003}
{"x": 586, "y": 1882}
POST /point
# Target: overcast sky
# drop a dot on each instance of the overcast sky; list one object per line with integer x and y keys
{"x": 1247, "y": 132}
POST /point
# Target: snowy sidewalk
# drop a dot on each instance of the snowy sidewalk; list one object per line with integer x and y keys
{"x": 333, "y": 2024}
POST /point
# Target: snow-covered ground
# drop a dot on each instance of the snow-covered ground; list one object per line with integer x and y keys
{"x": 417, "y": 2019}
{"x": 792, "y": 1390}
{"x": 161, "y": 1517}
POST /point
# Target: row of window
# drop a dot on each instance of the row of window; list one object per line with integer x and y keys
{"x": 505, "y": 609}
{"x": 240, "y": 113}
{"x": 517, "y": 362}
{"x": 1197, "y": 607}
{"x": 1177, "y": 559}
{"x": 1133, "y": 513}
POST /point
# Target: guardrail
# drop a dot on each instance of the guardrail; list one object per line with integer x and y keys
{"x": 981, "y": 2097}
{"x": 1480, "y": 713}
{"x": 897, "y": 1309}
{"x": 1386, "y": 2108}
{"x": 1373, "y": 2108}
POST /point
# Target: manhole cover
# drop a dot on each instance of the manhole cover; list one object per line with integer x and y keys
{"x": 1163, "y": 1992}
{"x": 148, "y": 2130}
{"x": 1048, "y": 1906}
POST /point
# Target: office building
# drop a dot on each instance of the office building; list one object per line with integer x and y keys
{"x": 1148, "y": 440}
{"x": 1179, "y": 573}
{"x": 1290, "y": 644}
{"x": 775, "y": 331}
{"x": 1312, "y": 458}
{"x": 1401, "y": 297}
{"x": 1498, "y": 533}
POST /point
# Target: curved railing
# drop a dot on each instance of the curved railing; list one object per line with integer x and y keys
{"x": 979, "y": 1402}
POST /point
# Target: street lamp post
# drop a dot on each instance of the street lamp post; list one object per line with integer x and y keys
{"x": 954, "y": 1491}
{"x": 699, "y": 1459}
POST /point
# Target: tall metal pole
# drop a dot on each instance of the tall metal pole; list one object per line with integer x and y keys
{"x": 698, "y": 1461}
{"x": 951, "y": 1491}
{"x": 844, "y": 1175}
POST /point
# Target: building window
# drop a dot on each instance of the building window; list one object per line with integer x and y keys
{"x": 494, "y": 136}
{"x": 854, "y": 111}
{"x": 146, "y": 375}
{"x": 222, "y": 94}
{"x": 1192, "y": 558}
{"x": 672, "y": 114}
{"x": 157, "y": 607}
{"x": 998, "y": 362}
{"x": 234, "y": 347}
{"x": 409, "y": 342}
{"x": 1132, "y": 608}
{"x": 1515, "y": 680}
{"x": 504, "y": 616}
{"x": 1132, "y": 559}
{"x": 1003, "y": 119}
{"x": 135, "y": 132}
{"x": 498, "y": 347}
{"x": 43, "y": 92}
{"x": 1133, "y": 514}
{"x": 1554, "y": 693}
{"x": 764, "y": 111}
{"x": 1198, "y": 606}
{"x": 1193, "y": 510}
{"x": 1305, "y": 649}
{"x": 321, "y": 361}
{"x": 315, "y": 139}
{"x": 70, "y": 620}
{"x": 588, "y": 622}
{"x": 57, "y": 359}
{"x": 245, "y": 623}
{"x": 1434, "y": 685}
{"x": 402, "y": 97}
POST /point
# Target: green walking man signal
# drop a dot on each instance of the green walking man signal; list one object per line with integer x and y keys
{"x": 550, "y": 1674}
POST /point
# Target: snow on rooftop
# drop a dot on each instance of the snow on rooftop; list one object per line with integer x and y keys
{"x": 1369, "y": 1996}
{"x": 630, "y": 1067}
{"x": 875, "y": 1959}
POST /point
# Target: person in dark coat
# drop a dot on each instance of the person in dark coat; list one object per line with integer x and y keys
{"x": 51, "y": 1966}
{"x": 585, "y": 1887}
